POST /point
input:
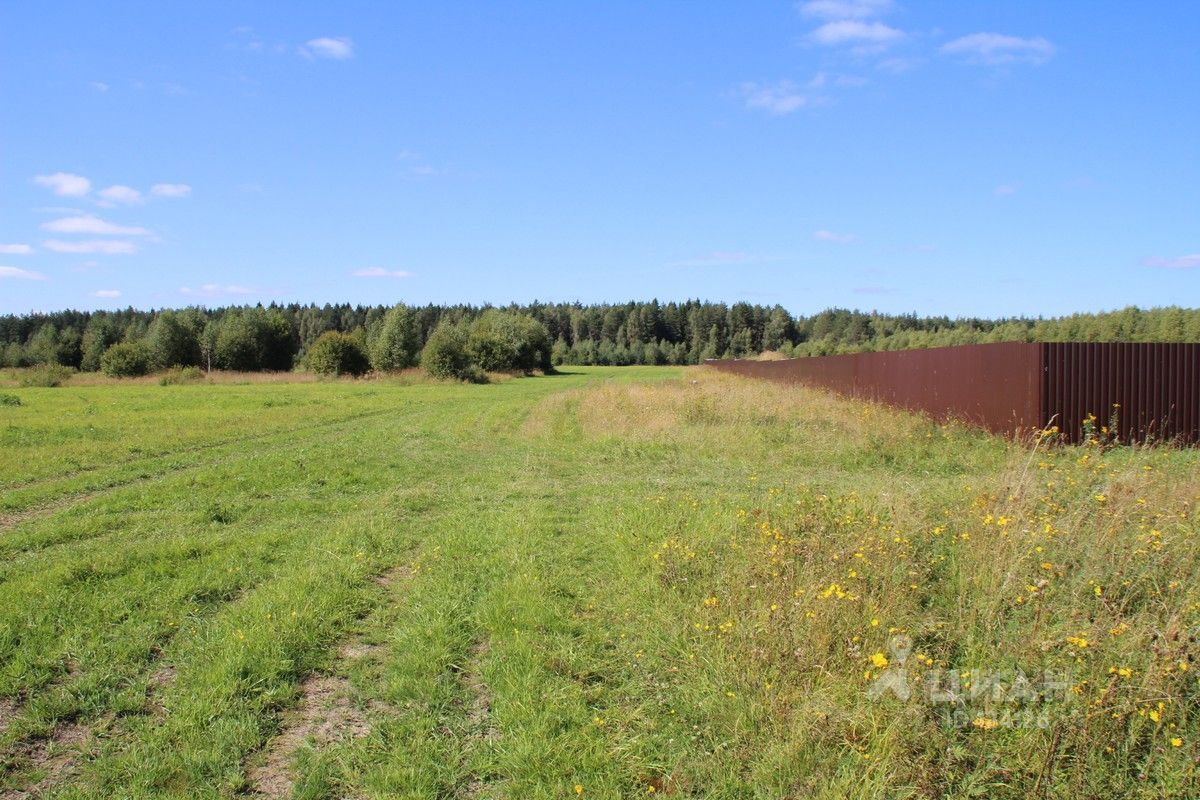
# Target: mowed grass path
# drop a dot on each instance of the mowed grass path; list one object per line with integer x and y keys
{"x": 612, "y": 582}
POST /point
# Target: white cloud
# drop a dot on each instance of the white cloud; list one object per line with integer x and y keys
{"x": 380, "y": 272}
{"x": 99, "y": 86}
{"x": 897, "y": 66}
{"x": 338, "y": 48}
{"x": 15, "y": 249}
{"x": 21, "y": 274}
{"x": 1190, "y": 261}
{"x": 875, "y": 35}
{"x": 93, "y": 225}
{"x": 120, "y": 194}
{"x": 997, "y": 48}
{"x": 107, "y": 293}
{"x": 217, "y": 290}
{"x": 170, "y": 190}
{"x": 1006, "y": 189}
{"x": 65, "y": 184}
{"x": 845, "y": 9}
{"x": 778, "y": 99}
{"x": 836, "y": 238}
{"x": 109, "y": 247}
{"x": 842, "y": 81}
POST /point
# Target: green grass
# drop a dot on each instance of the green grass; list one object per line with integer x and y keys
{"x": 611, "y": 580}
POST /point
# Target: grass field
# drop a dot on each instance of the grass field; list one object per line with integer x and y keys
{"x": 610, "y": 583}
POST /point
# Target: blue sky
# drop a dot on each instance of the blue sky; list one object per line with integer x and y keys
{"x": 989, "y": 158}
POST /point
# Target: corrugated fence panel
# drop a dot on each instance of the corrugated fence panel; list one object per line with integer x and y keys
{"x": 996, "y": 386}
{"x": 1143, "y": 391}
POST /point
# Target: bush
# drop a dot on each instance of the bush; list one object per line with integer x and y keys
{"x": 174, "y": 340}
{"x": 181, "y": 375}
{"x": 49, "y": 345}
{"x": 445, "y": 353}
{"x": 126, "y": 360}
{"x": 336, "y": 353}
{"x": 46, "y": 375}
{"x": 503, "y": 342}
{"x": 101, "y": 333}
{"x": 398, "y": 343}
{"x": 253, "y": 339}
{"x": 9, "y": 400}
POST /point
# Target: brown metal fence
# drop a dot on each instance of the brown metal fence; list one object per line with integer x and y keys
{"x": 1141, "y": 391}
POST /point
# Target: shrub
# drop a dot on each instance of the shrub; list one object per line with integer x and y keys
{"x": 46, "y": 375}
{"x": 181, "y": 375}
{"x": 15, "y": 354}
{"x": 9, "y": 399}
{"x": 445, "y": 353}
{"x": 336, "y": 353}
{"x": 101, "y": 333}
{"x": 49, "y": 345}
{"x": 172, "y": 341}
{"x": 398, "y": 343}
{"x": 126, "y": 360}
{"x": 253, "y": 339}
{"x": 503, "y": 342}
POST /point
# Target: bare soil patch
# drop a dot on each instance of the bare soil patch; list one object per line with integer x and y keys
{"x": 326, "y": 713}
{"x": 479, "y": 728}
{"x": 53, "y": 758}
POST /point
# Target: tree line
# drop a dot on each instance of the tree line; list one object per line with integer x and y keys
{"x": 463, "y": 340}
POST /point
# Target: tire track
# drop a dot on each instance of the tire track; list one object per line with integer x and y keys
{"x": 10, "y": 520}
{"x": 196, "y": 448}
{"x": 11, "y": 517}
{"x": 326, "y": 712}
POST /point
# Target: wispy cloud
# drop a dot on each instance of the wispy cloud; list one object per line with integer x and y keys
{"x": 835, "y": 238}
{"x": 88, "y": 224}
{"x": 118, "y": 194}
{"x": 99, "y": 86}
{"x": 213, "y": 290}
{"x": 998, "y": 48}
{"x": 844, "y": 9}
{"x": 170, "y": 190}
{"x": 338, "y": 48}
{"x": 780, "y": 98}
{"x": 1191, "y": 261}
{"x": 65, "y": 184}
{"x": 1006, "y": 189}
{"x": 15, "y": 249}
{"x": 380, "y": 272}
{"x": 822, "y": 79}
{"x": 417, "y": 165}
{"x": 898, "y": 65}
{"x": 864, "y": 35}
{"x": 106, "y": 247}
{"x": 21, "y": 274}
{"x": 108, "y": 294}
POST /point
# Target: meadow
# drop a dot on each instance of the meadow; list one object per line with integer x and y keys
{"x": 605, "y": 583}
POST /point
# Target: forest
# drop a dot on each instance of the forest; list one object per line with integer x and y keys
{"x": 283, "y": 337}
